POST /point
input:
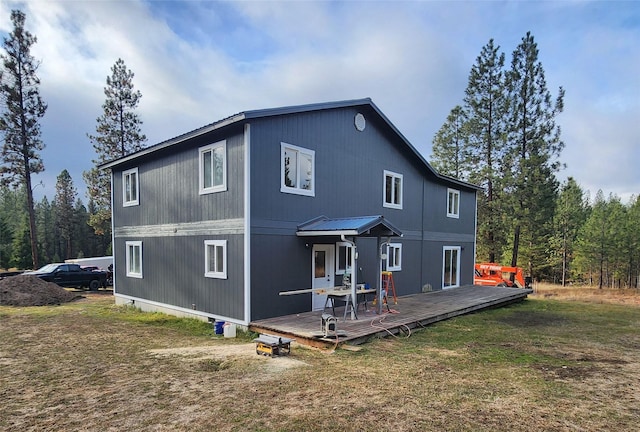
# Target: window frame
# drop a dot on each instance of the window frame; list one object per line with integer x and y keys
{"x": 348, "y": 254}
{"x": 131, "y": 246}
{"x": 297, "y": 190}
{"x": 127, "y": 175}
{"x": 397, "y": 263}
{"x": 456, "y": 211}
{"x": 209, "y": 273}
{"x": 393, "y": 204}
{"x": 202, "y": 189}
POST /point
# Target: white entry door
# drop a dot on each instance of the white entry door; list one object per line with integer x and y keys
{"x": 323, "y": 273}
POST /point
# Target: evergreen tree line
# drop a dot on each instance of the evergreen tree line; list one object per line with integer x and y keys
{"x": 30, "y": 232}
{"x": 62, "y": 222}
{"x": 504, "y": 137}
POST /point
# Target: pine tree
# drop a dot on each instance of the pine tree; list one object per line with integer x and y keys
{"x": 21, "y": 249}
{"x": 633, "y": 230}
{"x": 19, "y": 123}
{"x": 486, "y": 103}
{"x": 48, "y": 238}
{"x": 6, "y": 239}
{"x": 571, "y": 214}
{"x": 535, "y": 145}
{"x": 65, "y": 198}
{"x": 594, "y": 241}
{"x": 449, "y": 146}
{"x": 118, "y": 133}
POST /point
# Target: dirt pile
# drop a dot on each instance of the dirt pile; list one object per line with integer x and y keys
{"x": 26, "y": 290}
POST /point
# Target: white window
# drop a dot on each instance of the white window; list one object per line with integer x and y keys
{"x": 213, "y": 168}
{"x": 215, "y": 259}
{"x": 297, "y": 170}
{"x": 343, "y": 258}
{"x": 392, "y": 188}
{"x": 130, "y": 187}
{"x": 134, "y": 259}
{"x": 394, "y": 257}
{"x": 453, "y": 203}
{"x": 451, "y": 267}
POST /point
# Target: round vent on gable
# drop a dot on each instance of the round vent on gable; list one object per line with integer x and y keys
{"x": 360, "y": 122}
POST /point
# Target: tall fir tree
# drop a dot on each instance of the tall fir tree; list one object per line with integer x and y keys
{"x": 535, "y": 146}
{"x": 118, "y": 133}
{"x": 20, "y": 119}
{"x": 65, "y": 200}
{"x": 486, "y": 104}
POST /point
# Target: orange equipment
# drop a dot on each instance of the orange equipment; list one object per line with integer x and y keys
{"x": 492, "y": 274}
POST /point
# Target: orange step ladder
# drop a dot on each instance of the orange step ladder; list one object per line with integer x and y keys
{"x": 389, "y": 287}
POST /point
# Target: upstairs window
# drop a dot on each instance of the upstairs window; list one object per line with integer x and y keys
{"x": 392, "y": 190}
{"x": 213, "y": 168}
{"x": 453, "y": 203}
{"x": 394, "y": 257}
{"x": 130, "y": 187}
{"x": 297, "y": 170}
{"x": 215, "y": 259}
{"x": 134, "y": 259}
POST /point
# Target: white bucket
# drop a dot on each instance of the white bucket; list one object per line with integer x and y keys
{"x": 229, "y": 330}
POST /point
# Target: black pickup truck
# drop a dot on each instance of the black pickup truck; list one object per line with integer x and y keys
{"x": 71, "y": 275}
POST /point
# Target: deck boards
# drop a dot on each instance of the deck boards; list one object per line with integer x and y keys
{"x": 417, "y": 310}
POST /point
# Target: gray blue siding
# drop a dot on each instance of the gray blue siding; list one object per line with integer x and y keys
{"x": 349, "y": 167}
{"x": 173, "y": 220}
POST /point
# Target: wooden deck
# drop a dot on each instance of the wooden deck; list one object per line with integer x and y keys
{"x": 418, "y": 310}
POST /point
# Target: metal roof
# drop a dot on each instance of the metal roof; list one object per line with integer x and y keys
{"x": 365, "y": 226}
{"x": 269, "y": 112}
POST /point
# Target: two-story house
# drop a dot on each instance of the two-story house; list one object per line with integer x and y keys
{"x": 218, "y": 221}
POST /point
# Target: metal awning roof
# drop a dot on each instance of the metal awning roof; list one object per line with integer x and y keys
{"x": 364, "y": 226}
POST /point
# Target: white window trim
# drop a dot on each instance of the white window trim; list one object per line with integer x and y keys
{"x": 129, "y": 245}
{"x": 444, "y": 264}
{"x": 348, "y": 255}
{"x": 390, "y": 248}
{"x": 456, "y": 213}
{"x": 214, "y": 274}
{"x": 211, "y": 148}
{"x": 297, "y": 190}
{"x": 126, "y": 174}
{"x": 394, "y": 176}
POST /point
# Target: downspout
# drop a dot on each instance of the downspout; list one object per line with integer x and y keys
{"x": 354, "y": 272}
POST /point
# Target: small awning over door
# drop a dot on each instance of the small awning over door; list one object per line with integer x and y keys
{"x": 363, "y": 226}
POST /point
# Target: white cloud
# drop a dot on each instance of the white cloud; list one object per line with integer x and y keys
{"x": 198, "y": 62}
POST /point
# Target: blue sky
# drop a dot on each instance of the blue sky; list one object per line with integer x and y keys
{"x": 196, "y": 62}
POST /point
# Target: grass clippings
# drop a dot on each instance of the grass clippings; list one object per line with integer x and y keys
{"x": 543, "y": 364}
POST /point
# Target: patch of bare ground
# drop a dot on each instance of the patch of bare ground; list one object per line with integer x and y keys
{"x": 223, "y": 356}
